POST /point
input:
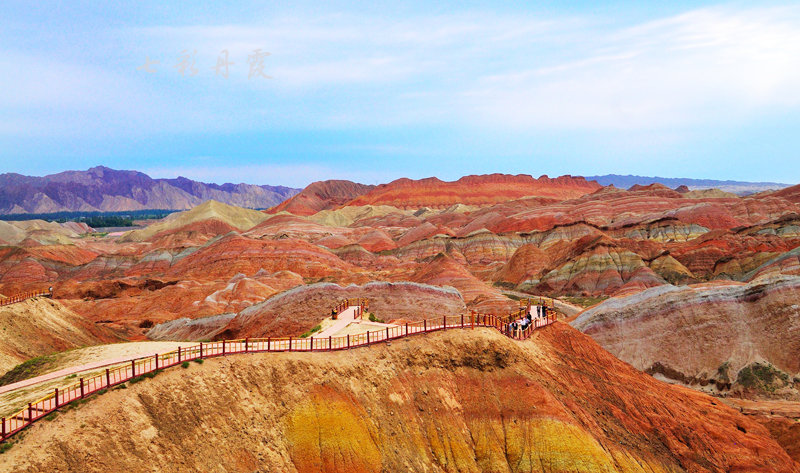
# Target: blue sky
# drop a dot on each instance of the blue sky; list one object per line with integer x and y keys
{"x": 376, "y": 91}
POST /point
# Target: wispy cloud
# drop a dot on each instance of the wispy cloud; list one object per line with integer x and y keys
{"x": 705, "y": 65}
{"x": 487, "y": 78}
{"x": 509, "y": 71}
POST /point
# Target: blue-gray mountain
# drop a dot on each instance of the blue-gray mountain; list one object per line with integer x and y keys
{"x": 735, "y": 187}
{"x": 108, "y": 190}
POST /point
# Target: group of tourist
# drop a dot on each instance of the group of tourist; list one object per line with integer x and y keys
{"x": 518, "y": 326}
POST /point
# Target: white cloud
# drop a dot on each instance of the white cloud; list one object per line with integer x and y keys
{"x": 699, "y": 67}
{"x": 477, "y": 69}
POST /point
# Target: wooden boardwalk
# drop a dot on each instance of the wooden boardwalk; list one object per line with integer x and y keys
{"x": 126, "y": 370}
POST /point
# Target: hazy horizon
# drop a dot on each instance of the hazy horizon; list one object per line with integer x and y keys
{"x": 604, "y": 180}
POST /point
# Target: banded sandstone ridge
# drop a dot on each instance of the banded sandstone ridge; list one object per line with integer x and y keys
{"x": 473, "y": 190}
{"x": 322, "y": 195}
{"x": 108, "y": 190}
{"x": 41, "y": 326}
{"x": 455, "y": 401}
{"x": 739, "y": 337}
{"x": 218, "y": 259}
{"x": 301, "y": 308}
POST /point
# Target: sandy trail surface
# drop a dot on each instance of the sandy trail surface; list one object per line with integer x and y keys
{"x": 343, "y": 320}
{"x": 82, "y": 362}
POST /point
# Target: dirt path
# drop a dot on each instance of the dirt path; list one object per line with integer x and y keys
{"x": 101, "y": 356}
{"x": 342, "y": 320}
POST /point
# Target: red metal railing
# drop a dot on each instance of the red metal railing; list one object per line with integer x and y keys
{"x": 22, "y": 297}
{"x": 361, "y": 305}
{"x": 141, "y": 366}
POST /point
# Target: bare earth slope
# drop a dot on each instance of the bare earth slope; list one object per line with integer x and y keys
{"x": 459, "y": 401}
{"x": 237, "y": 217}
{"x": 42, "y": 326}
{"x": 719, "y": 334}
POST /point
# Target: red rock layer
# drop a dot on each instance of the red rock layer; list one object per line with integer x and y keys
{"x": 710, "y": 335}
{"x": 298, "y": 310}
{"x": 473, "y": 190}
{"x": 322, "y": 195}
{"x": 237, "y": 254}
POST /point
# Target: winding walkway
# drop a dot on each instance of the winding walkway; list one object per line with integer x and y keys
{"x": 345, "y": 318}
{"x": 322, "y": 342}
{"x": 65, "y": 372}
{"x": 24, "y": 296}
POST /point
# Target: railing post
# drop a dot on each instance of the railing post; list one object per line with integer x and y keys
{"x": 82, "y": 391}
{"x": 108, "y": 378}
{"x": 247, "y": 345}
{"x": 425, "y": 325}
{"x": 223, "y": 348}
{"x": 367, "y": 337}
{"x": 312, "y": 343}
{"x": 290, "y": 343}
{"x": 133, "y": 368}
{"x": 462, "y": 320}
{"x": 179, "y": 354}
{"x": 444, "y": 322}
{"x": 56, "y": 398}
{"x": 330, "y": 346}
{"x": 269, "y": 340}
{"x": 387, "y": 334}
{"x": 30, "y": 412}
{"x": 3, "y": 437}
{"x": 201, "y": 349}
{"x": 156, "y": 360}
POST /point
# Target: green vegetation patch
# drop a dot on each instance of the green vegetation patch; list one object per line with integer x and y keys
{"x": 124, "y": 218}
{"x": 153, "y": 374}
{"x": 504, "y": 285}
{"x": 313, "y": 330}
{"x": 27, "y": 369}
{"x": 373, "y": 318}
{"x": 722, "y": 372}
{"x": 762, "y": 377}
{"x": 584, "y": 301}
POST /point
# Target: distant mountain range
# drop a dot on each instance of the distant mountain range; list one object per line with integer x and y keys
{"x": 108, "y": 190}
{"x": 735, "y": 187}
{"x": 101, "y": 189}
